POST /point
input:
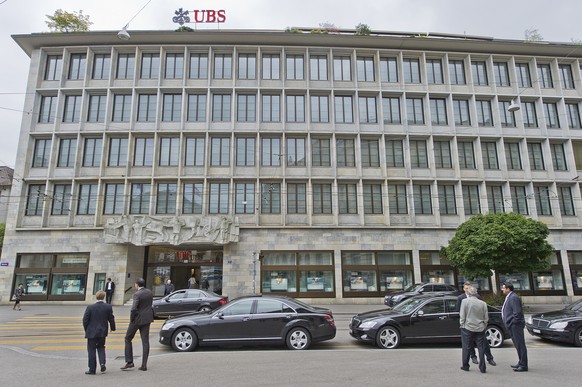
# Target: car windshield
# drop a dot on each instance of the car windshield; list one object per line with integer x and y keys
{"x": 407, "y": 306}
{"x": 413, "y": 288}
{"x": 575, "y": 307}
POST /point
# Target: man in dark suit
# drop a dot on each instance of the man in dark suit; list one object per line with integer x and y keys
{"x": 140, "y": 318}
{"x": 109, "y": 289}
{"x": 95, "y": 322}
{"x": 512, "y": 312}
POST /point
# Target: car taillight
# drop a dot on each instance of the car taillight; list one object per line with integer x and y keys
{"x": 329, "y": 319}
{"x": 222, "y": 301}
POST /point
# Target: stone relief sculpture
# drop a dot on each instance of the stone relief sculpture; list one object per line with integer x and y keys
{"x": 142, "y": 230}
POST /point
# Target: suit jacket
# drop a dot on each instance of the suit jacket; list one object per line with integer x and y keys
{"x": 96, "y": 318}
{"x": 513, "y": 310}
{"x": 141, "y": 310}
{"x": 112, "y": 287}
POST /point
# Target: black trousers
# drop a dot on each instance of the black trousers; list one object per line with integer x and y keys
{"x": 470, "y": 340}
{"x": 108, "y": 296}
{"x": 518, "y": 338}
{"x": 96, "y": 344}
{"x": 144, "y": 332}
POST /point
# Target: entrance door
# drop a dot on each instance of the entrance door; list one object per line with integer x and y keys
{"x": 180, "y": 276}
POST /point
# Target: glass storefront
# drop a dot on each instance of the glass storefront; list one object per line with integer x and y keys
{"x": 575, "y": 260}
{"x": 547, "y": 283}
{"x": 483, "y": 285}
{"x": 436, "y": 269}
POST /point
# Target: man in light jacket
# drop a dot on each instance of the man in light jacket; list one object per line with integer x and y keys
{"x": 474, "y": 317}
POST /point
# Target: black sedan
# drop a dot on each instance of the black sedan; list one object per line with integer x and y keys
{"x": 394, "y": 298}
{"x": 187, "y": 301}
{"x": 251, "y": 320}
{"x": 561, "y": 325}
{"x": 426, "y": 318}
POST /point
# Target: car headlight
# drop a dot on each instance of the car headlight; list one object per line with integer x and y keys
{"x": 168, "y": 326}
{"x": 368, "y": 324}
{"x": 529, "y": 320}
{"x": 559, "y": 325}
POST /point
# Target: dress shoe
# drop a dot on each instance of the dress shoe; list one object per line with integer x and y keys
{"x": 127, "y": 366}
{"x": 103, "y": 368}
{"x": 514, "y": 366}
{"x": 89, "y": 373}
{"x": 474, "y": 360}
{"x": 520, "y": 369}
{"x": 143, "y": 368}
{"x": 465, "y": 368}
{"x": 492, "y": 362}
{"x": 483, "y": 371}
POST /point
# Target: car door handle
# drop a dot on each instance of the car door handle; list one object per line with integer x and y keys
{"x": 443, "y": 318}
{"x": 246, "y": 318}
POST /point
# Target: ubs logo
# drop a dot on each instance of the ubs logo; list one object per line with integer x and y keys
{"x": 199, "y": 16}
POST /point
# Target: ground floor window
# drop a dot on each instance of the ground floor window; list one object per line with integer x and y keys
{"x": 436, "y": 269}
{"x": 575, "y": 260}
{"x": 483, "y": 285}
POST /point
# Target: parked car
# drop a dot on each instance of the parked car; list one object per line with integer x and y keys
{"x": 187, "y": 301}
{"x": 425, "y": 318}
{"x": 251, "y": 320}
{"x": 394, "y": 298}
{"x": 560, "y": 325}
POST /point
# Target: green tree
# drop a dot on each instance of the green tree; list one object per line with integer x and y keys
{"x": 532, "y": 35}
{"x": 62, "y": 21}
{"x": 363, "y": 29}
{"x": 2, "y": 230}
{"x": 504, "y": 242}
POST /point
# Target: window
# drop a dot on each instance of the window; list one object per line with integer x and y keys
{"x": 447, "y": 204}
{"x": 411, "y": 68}
{"x": 471, "y": 199}
{"x": 536, "y": 156}
{"x": 174, "y": 66}
{"x": 96, "y": 110}
{"x": 566, "y": 76}
{"x": 121, "y": 108}
{"x": 245, "y": 151}
{"x": 321, "y": 198}
{"x": 218, "y": 198}
{"x": 518, "y": 199}
{"x": 342, "y": 68}
{"x": 172, "y": 107}
{"x": 101, "y": 66}
{"x": 415, "y": 111}
{"x": 545, "y": 76}
{"x": 343, "y": 109}
{"x": 365, "y": 68}
{"x": 92, "y": 154}
{"x": 150, "y": 66}
{"x": 434, "y": 71}
{"x": 247, "y": 66}
{"x": 246, "y": 108}
{"x": 72, "y": 108}
{"x": 442, "y": 154}
{"x": 54, "y": 68}
{"x": 271, "y": 152}
{"x": 144, "y": 152}
{"x": 347, "y": 198}
{"x": 551, "y": 110}
{"x": 220, "y": 151}
{"x": 319, "y": 108}
{"x": 222, "y": 66}
{"x": 196, "y": 107}
{"x": 466, "y": 155}
{"x": 372, "y": 198}
{"x": 422, "y": 200}
{"x": 166, "y": 198}
{"x": 346, "y": 153}
{"x": 117, "y": 152}
{"x": 457, "y": 72}
{"x": 367, "y": 106}
{"x": 295, "y": 108}
{"x": 370, "y": 153}
{"x": 438, "y": 111}
{"x": 169, "y": 151}
{"x": 573, "y": 112}
{"x": 489, "y": 152}
{"x": 501, "y": 73}
{"x": 566, "y": 201}
{"x": 35, "y": 200}
{"x": 484, "y": 113}
{"x": 113, "y": 199}
{"x": 320, "y": 152}
{"x": 296, "y": 198}
{"x": 67, "y": 153}
{"x": 418, "y": 154}
{"x": 147, "y": 105}
{"x": 523, "y": 75}
{"x": 42, "y": 152}
{"x": 507, "y": 117}
{"x": 198, "y": 66}
{"x": 461, "y": 111}
{"x": 61, "y": 203}
{"x": 512, "y": 156}
{"x": 295, "y": 152}
{"x": 394, "y": 154}
{"x": 542, "y": 197}
{"x": 495, "y": 201}
{"x": 140, "y": 198}
{"x": 87, "y": 202}
{"x": 194, "y": 152}
{"x": 221, "y": 107}
{"x": 77, "y": 65}
{"x": 558, "y": 157}
{"x": 318, "y": 67}
{"x": 397, "y": 199}
{"x": 530, "y": 119}
{"x": 271, "y": 66}
{"x": 271, "y": 108}
{"x": 294, "y": 67}
{"x": 391, "y": 110}
{"x": 271, "y": 198}
{"x": 125, "y": 66}
{"x": 245, "y": 198}
{"x": 193, "y": 198}
{"x": 479, "y": 70}
{"x": 388, "y": 70}
{"x": 48, "y": 108}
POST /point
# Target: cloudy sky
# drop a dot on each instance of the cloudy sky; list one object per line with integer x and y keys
{"x": 556, "y": 21}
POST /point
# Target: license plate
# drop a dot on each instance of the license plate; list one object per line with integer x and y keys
{"x": 536, "y": 331}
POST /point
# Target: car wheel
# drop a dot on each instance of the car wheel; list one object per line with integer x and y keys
{"x": 494, "y": 336}
{"x": 205, "y": 308}
{"x": 578, "y": 338}
{"x": 298, "y": 338}
{"x": 388, "y": 338}
{"x": 184, "y": 340}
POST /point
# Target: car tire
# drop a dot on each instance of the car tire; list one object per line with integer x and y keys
{"x": 494, "y": 336}
{"x": 578, "y": 337}
{"x": 184, "y": 340}
{"x": 205, "y": 308}
{"x": 388, "y": 338}
{"x": 298, "y": 339}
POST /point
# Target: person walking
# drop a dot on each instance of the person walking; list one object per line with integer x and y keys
{"x": 474, "y": 317}
{"x": 18, "y": 293}
{"x": 168, "y": 287}
{"x": 95, "y": 321}
{"x": 109, "y": 289}
{"x": 512, "y": 313}
{"x": 140, "y": 318}
{"x": 192, "y": 283}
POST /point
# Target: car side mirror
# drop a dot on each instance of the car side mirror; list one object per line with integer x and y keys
{"x": 420, "y": 313}
{"x": 421, "y": 291}
{"x": 220, "y": 315}
{"x": 167, "y": 299}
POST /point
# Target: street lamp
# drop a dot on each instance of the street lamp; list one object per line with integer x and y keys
{"x": 123, "y": 34}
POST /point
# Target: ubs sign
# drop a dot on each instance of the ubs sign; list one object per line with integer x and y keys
{"x": 199, "y": 16}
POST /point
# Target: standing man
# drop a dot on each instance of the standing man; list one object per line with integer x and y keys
{"x": 474, "y": 317}
{"x": 140, "y": 318}
{"x": 95, "y": 322}
{"x": 512, "y": 312}
{"x": 168, "y": 287}
{"x": 18, "y": 293}
{"x": 109, "y": 289}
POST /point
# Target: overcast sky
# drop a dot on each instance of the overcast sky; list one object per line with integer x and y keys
{"x": 556, "y": 21}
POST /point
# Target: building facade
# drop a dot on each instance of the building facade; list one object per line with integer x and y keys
{"x": 6, "y": 175}
{"x": 328, "y": 167}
